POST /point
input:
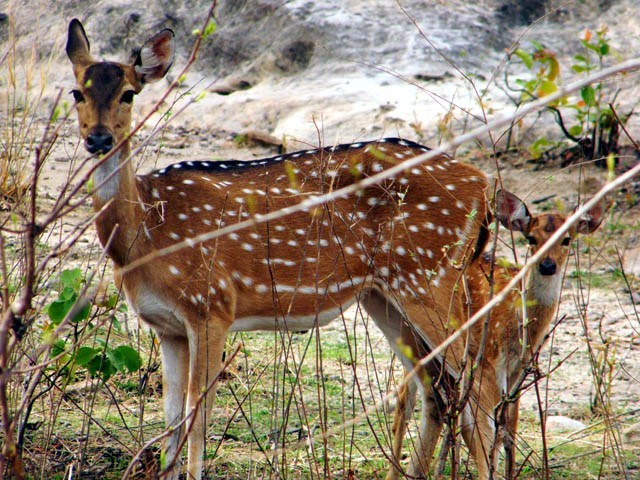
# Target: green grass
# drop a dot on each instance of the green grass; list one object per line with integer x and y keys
{"x": 599, "y": 279}
{"x": 303, "y": 397}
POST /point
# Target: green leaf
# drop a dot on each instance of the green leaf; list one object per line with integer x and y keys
{"x": 579, "y": 68}
{"x": 588, "y": 94}
{"x": 117, "y": 326}
{"x": 604, "y": 49}
{"x": 576, "y": 131}
{"x": 58, "y": 309}
{"x": 537, "y": 45}
{"x": 101, "y": 365}
{"x": 68, "y": 294}
{"x": 591, "y": 46}
{"x": 580, "y": 58}
{"x": 547, "y": 87}
{"x": 539, "y": 147}
{"x": 71, "y": 278}
{"x": 209, "y": 29}
{"x": 56, "y": 114}
{"x": 58, "y": 348}
{"x": 85, "y": 354}
{"x": 526, "y": 57}
{"x": 82, "y": 313}
{"x": 611, "y": 167}
{"x": 124, "y": 358}
{"x": 131, "y": 358}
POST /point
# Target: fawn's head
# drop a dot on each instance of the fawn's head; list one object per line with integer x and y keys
{"x": 105, "y": 90}
{"x": 514, "y": 214}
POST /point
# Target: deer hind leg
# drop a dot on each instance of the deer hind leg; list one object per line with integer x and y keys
{"x": 206, "y": 345}
{"x": 400, "y": 333}
{"x": 431, "y": 424}
{"x": 404, "y": 408}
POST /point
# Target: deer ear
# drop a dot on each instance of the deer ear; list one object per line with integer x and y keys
{"x": 591, "y": 220}
{"x": 155, "y": 57}
{"x": 78, "y": 44}
{"x": 512, "y": 212}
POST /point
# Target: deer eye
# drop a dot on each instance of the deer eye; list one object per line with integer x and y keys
{"x": 566, "y": 241}
{"x": 77, "y": 96}
{"x": 531, "y": 239}
{"x": 127, "y": 97}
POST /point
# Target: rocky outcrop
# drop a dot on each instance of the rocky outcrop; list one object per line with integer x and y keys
{"x": 358, "y": 68}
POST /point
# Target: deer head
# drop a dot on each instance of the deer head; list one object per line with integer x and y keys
{"x": 105, "y": 90}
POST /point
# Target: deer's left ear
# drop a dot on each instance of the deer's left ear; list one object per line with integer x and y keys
{"x": 591, "y": 220}
{"x": 155, "y": 57}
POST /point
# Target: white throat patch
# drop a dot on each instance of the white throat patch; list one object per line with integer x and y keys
{"x": 106, "y": 179}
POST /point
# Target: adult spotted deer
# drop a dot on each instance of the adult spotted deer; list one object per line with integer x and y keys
{"x": 398, "y": 248}
{"x": 516, "y": 330}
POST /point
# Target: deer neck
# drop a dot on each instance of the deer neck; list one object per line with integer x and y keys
{"x": 117, "y": 198}
{"x": 543, "y": 294}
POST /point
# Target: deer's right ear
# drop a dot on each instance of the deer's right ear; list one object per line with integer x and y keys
{"x": 592, "y": 219}
{"x": 512, "y": 212}
{"x": 155, "y": 57}
{"x": 78, "y": 44}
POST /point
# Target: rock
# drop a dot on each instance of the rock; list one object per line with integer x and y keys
{"x": 631, "y": 436}
{"x": 285, "y": 65}
{"x": 631, "y": 261}
{"x": 345, "y": 70}
{"x": 561, "y": 424}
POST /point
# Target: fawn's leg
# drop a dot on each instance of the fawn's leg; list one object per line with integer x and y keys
{"x": 510, "y": 431}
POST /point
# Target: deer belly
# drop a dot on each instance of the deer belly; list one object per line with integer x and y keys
{"x": 160, "y": 313}
{"x": 292, "y": 322}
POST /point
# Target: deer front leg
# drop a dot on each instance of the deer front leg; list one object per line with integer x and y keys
{"x": 206, "y": 345}
{"x": 175, "y": 373}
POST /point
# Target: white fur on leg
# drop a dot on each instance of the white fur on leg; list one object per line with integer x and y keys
{"x": 174, "y": 353}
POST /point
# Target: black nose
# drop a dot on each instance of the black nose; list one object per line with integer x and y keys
{"x": 547, "y": 266}
{"x": 98, "y": 142}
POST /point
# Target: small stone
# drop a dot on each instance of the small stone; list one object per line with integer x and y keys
{"x": 559, "y": 423}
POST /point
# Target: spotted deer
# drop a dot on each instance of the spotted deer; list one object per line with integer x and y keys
{"x": 516, "y": 331}
{"x": 398, "y": 247}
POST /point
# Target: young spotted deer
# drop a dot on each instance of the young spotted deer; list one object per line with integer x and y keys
{"x": 397, "y": 247}
{"x": 516, "y": 331}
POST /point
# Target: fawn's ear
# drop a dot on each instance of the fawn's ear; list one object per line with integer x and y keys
{"x": 155, "y": 57}
{"x": 78, "y": 44}
{"x": 591, "y": 220}
{"x": 512, "y": 212}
